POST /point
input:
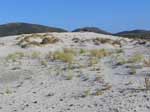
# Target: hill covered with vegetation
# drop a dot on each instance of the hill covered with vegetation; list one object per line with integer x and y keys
{"x": 25, "y": 28}
{"x": 138, "y": 34}
{"x": 91, "y": 29}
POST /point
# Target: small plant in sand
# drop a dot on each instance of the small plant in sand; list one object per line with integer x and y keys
{"x": 93, "y": 61}
{"x": 147, "y": 83}
{"x": 44, "y": 63}
{"x": 82, "y": 51}
{"x": 118, "y": 51}
{"x": 146, "y": 62}
{"x": 35, "y": 54}
{"x": 99, "y": 53}
{"x": 87, "y": 92}
{"x": 8, "y": 91}
{"x": 133, "y": 70}
{"x": 98, "y": 92}
{"x": 121, "y": 61}
{"x": 50, "y": 56}
{"x": 136, "y": 58}
{"x": 15, "y": 56}
{"x": 69, "y": 75}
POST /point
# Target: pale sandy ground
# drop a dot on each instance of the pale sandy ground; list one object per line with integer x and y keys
{"x": 28, "y": 86}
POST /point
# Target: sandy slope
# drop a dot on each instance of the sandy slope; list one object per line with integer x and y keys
{"x": 29, "y": 86}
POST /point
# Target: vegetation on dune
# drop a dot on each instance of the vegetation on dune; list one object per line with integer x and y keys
{"x": 37, "y": 40}
{"x": 15, "y": 56}
{"x": 133, "y": 70}
{"x": 99, "y": 53}
{"x": 44, "y": 63}
{"x": 65, "y": 57}
{"x": 49, "y": 40}
{"x": 136, "y": 58}
{"x": 99, "y": 41}
{"x": 82, "y": 51}
{"x": 35, "y": 54}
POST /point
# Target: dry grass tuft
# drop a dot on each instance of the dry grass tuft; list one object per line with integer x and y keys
{"x": 146, "y": 62}
{"x": 99, "y": 53}
{"x": 67, "y": 55}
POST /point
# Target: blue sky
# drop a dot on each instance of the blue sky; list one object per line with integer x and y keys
{"x": 110, "y": 15}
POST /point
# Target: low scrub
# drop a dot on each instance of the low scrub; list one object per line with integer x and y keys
{"x": 98, "y": 41}
{"x": 37, "y": 40}
{"x": 49, "y": 40}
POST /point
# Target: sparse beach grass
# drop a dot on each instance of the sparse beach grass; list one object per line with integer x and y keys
{"x": 15, "y": 56}
{"x": 62, "y": 56}
{"x": 35, "y": 54}
{"x": 136, "y": 58}
{"x": 75, "y": 71}
{"x": 99, "y": 53}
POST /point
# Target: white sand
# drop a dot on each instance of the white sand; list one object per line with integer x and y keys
{"x": 28, "y": 86}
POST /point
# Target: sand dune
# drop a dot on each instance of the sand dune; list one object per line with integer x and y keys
{"x": 74, "y": 72}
